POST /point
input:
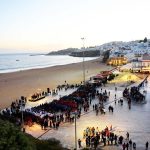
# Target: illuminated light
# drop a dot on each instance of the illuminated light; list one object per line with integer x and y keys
{"x": 117, "y": 61}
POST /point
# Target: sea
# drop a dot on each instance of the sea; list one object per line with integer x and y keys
{"x": 18, "y": 62}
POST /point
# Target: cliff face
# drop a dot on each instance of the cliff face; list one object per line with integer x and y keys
{"x": 94, "y": 53}
{"x": 76, "y": 53}
{"x": 67, "y": 51}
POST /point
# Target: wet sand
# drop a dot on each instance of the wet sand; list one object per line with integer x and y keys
{"x": 13, "y": 85}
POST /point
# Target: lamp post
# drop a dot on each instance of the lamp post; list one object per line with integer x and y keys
{"x": 75, "y": 131}
{"x": 75, "y": 128}
{"x": 83, "y": 65}
{"x": 22, "y": 120}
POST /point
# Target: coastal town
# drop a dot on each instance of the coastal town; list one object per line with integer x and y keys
{"x": 74, "y": 75}
{"x": 106, "y": 108}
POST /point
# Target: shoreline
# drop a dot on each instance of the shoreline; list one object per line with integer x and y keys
{"x": 26, "y": 82}
{"x": 44, "y": 67}
{"x": 48, "y": 67}
{"x": 40, "y": 66}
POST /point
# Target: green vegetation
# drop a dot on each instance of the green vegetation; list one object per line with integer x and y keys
{"x": 76, "y": 53}
{"x": 13, "y": 139}
{"x": 67, "y": 51}
{"x": 111, "y": 77}
{"x": 50, "y": 144}
{"x": 87, "y": 53}
{"x": 145, "y": 40}
{"x": 106, "y": 55}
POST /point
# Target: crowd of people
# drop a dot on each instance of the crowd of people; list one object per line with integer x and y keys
{"x": 133, "y": 94}
{"x": 51, "y": 115}
{"x": 47, "y": 115}
{"x": 94, "y": 137}
{"x": 37, "y": 96}
{"x": 15, "y": 108}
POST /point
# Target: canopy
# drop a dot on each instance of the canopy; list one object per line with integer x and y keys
{"x": 125, "y": 77}
{"x": 99, "y": 76}
{"x": 106, "y": 73}
{"x": 126, "y": 67}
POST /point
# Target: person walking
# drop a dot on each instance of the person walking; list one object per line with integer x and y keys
{"x": 134, "y": 146}
{"x": 147, "y": 145}
{"x": 115, "y": 138}
{"x": 79, "y": 143}
{"x": 127, "y": 135}
{"x": 130, "y": 143}
{"x": 123, "y": 146}
{"x": 127, "y": 146}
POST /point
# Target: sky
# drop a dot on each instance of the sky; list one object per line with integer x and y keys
{"x": 46, "y": 25}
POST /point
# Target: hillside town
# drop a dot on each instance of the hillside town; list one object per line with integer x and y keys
{"x": 134, "y": 55}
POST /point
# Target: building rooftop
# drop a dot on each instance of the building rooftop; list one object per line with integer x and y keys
{"x": 146, "y": 57}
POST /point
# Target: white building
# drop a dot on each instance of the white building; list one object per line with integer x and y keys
{"x": 142, "y": 65}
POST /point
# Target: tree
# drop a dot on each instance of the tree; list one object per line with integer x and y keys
{"x": 140, "y": 41}
{"x": 145, "y": 40}
{"x": 106, "y": 55}
{"x": 12, "y": 138}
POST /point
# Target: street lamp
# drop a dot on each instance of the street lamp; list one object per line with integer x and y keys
{"x": 75, "y": 114}
{"x": 22, "y": 119}
{"x": 75, "y": 131}
{"x": 83, "y": 65}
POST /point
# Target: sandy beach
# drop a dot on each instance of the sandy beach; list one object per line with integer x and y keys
{"x": 13, "y": 85}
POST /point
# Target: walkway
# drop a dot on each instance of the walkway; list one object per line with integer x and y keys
{"x": 135, "y": 121}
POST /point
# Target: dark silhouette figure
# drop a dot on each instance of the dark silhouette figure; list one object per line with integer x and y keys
{"x": 147, "y": 145}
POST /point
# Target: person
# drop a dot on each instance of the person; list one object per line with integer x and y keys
{"x": 147, "y": 145}
{"x": 108, "y": 139}
{"x": 24, "y": 130}
{"x": 104, "y": 140}
{"x": 79, "y": 143}
{"x": 127, "y": 145}
{"x": 123, "y": 146}
{"x": 134, "y": 146}
{"x": 130, "y": 143}
{"x": 127, "y": 135}
{"x": 110, "y": 127}
{"x": 120, "y": 139}
{"x": 115, "y": 138}
{"x": 86, "y": 141}
{"x": 93, "y": 107}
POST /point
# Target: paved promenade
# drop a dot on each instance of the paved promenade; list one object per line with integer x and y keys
{"x": 135, "y": 121}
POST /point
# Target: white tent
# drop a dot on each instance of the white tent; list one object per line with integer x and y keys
{"x": 125, "y": 77}
{"x": 126, "y": 67}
